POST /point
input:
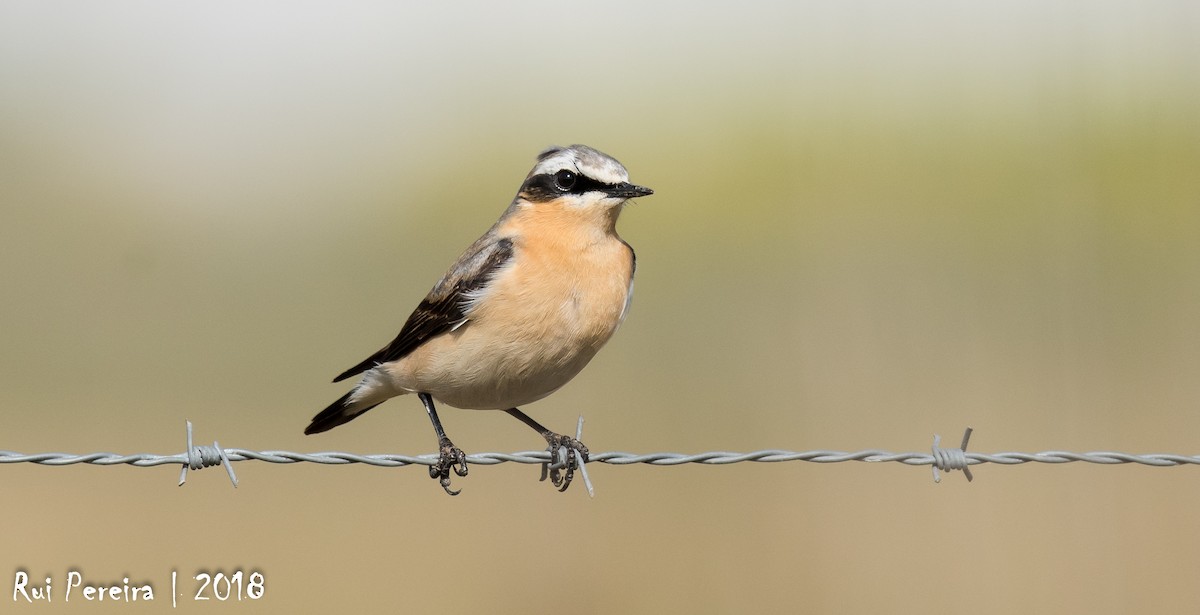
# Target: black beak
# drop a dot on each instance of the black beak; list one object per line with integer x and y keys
{"x": 626, "y": 190}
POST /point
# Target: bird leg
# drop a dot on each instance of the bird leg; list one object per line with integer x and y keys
{"x": 566, "y": 453}
{"x": 449, "y": 456}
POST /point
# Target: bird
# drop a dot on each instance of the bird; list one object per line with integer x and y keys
{"x": 518, "y": 315}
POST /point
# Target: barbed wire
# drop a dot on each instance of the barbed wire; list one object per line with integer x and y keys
{"x": 196, "y": 457}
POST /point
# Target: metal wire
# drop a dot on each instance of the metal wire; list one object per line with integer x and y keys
{"x": 196, "y": 457}
{"x": 612, "y": 458}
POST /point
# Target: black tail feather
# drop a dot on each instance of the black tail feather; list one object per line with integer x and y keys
{"x": 336, "y": 414}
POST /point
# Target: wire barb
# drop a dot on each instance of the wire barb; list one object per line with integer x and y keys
{"x": 199, "y": 457}
{"x": 948, "y": 459}
{"x": 587, "y": 482}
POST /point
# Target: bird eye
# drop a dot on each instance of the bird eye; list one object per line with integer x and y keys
{"x": 564, "y": 180}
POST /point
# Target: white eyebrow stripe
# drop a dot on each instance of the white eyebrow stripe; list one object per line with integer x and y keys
{"x": 586, "y": 161}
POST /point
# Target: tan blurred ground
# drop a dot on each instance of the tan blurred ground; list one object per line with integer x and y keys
{"x": 873, "y": 222}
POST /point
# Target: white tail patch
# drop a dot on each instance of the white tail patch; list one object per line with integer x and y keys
{"x": 375, "y": 387}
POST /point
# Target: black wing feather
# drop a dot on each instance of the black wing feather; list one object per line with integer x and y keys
{"x": 442, "y": 308}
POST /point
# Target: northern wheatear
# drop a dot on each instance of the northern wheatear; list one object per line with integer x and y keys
{"x": 519, "y": 314}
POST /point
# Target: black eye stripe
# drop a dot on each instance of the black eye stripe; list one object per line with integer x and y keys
{"x": 544, "y": 187}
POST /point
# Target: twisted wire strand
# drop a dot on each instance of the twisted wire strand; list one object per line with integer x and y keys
{"x": 941, "y": 459}
{"x": 611, "y": 458}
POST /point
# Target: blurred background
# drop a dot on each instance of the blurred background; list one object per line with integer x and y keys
{"x": 873, "y": 222}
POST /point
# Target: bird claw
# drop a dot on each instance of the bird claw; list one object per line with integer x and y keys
{"x": 566, "y": 454}
{"x": 450, "y": 457}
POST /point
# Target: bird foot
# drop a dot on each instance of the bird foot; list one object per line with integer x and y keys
{"x": 450, "y": 457}
{"x": 566, "y": 454}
